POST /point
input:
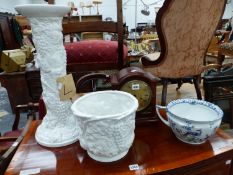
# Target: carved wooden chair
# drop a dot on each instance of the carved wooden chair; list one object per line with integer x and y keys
{"x": 185, "y": 28}
{"x": 92, "y": 55}
{"x": 35, "y": 89}
{"x": 225, "y": 49}
{"x": 214, "y": 50}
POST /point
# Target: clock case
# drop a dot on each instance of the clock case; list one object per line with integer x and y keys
{"x": 88, "y": 83}
{"x": 134, "y": 73}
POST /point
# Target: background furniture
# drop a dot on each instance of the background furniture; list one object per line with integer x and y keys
{"x": 155, "y": 150}
{"x": 225, "y": 49}
{"x": 6, "y": 157}
{"x": 215, "y": 42}
{"x": 16, "y": 86}
{"x": 7, "y": 31}
{"x": 93, "y": 55}
{"x": 184, "y": 37}
{"x": 32, "y": 78}
{"x": 102, "y": 63}
{"x": 218, "y": 87}
{"x": 85, "y": 18}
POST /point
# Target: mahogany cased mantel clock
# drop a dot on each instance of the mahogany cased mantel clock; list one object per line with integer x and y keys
{"x": 140, "y": 84}
{"x": 133, "y": 80}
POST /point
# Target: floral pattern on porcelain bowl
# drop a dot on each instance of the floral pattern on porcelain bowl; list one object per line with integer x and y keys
{"x": 192, "y": 121}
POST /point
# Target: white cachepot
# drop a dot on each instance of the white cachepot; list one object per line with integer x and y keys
{"x": 59, "y": 127}
{"x": 192, "y": 121}
{"x": 107, "y": 120}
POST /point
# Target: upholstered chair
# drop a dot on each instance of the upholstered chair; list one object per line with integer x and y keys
{"x": 185, "y": 29}
{"x": 95, "y": 55}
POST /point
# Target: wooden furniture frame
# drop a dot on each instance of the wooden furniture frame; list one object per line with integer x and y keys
{"x": 183, "y": 44}
{"x": 17, "y": 95}
{"x": 33, "y": 81}
{"x": 155, "y": 150}
{"x": 98, "y": 26}
{"x": 222, "y": 53}
{"x": 215, "y": 42}
{"x": 219, "y": 88}
{"x": 51, "y": 1}
{"x": 10, "y": 41}
{"x": 7, "y": 156}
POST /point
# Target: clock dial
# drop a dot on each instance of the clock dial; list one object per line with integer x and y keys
{"x": 141, "y": 90}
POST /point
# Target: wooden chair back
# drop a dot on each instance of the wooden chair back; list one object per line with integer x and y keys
{"x": 215, "y": 42}
{"x": 9, "y": 39}
{"x": 101, "y": 26}
{"x": 33, "y": 81}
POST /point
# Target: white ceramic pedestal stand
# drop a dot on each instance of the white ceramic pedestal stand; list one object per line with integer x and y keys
{"x": 59, "y": 127}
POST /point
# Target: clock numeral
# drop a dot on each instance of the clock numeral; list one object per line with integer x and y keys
{"x": 135, "y": 87}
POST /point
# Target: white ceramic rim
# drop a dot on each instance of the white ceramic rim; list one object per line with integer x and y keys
{"x": 214, "y": 107}
{"x": 118, "y": 115}
{"x": 45, "y": 10}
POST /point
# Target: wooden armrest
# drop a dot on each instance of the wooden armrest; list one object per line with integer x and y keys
{"x": 30, "y": 107}
{"x": 212, "y": 66}
{"x": 8, "y": 139}
{"x": 7, "y": 156}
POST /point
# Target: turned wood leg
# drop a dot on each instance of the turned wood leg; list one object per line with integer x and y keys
{"x": 196, "y": 80}
{"x": 220, "y": 58}
{"x": 17, "y": 116}
{"x": 179, "y": 84}
{"x": 164, "y": 92}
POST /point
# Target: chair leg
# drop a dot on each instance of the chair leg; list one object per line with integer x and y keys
{"x": 220, "y": 58}
{"x": 164, "y": 92}
{"x": 196, "y": 80}
{"x": 17, "y": 116}
{"x": 179, "y": 84}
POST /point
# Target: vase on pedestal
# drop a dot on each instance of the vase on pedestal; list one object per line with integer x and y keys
{"x": 59, "y": 127}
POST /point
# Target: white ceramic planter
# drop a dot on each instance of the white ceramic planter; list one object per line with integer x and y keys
{"x": 192, "y": 121}
{"x": 59, "y": 127}
{"x": 107, "y": 120}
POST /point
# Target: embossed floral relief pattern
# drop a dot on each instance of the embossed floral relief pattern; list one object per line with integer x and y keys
{"x": 188, "y": 26}
{"x": 59, "y": 124}
{"x": 108, "y": 137}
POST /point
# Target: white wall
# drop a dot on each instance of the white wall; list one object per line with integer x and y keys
{"x": 8, "y": 5}
{"x": 129, "y": 12}
{"x": 108, "y": 9}
{"x": 228, "y": 11}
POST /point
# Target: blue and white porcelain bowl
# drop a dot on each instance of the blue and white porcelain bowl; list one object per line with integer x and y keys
{"x": 192, "y": 121}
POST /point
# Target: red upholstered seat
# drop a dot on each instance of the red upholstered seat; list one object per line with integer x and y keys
{"x": 42, "y": 108}
{"x": 93, "y": 51}
{"x": 89, "y": 52}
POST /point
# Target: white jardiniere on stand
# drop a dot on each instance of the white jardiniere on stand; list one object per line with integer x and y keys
{"x": 59, "y": 127}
